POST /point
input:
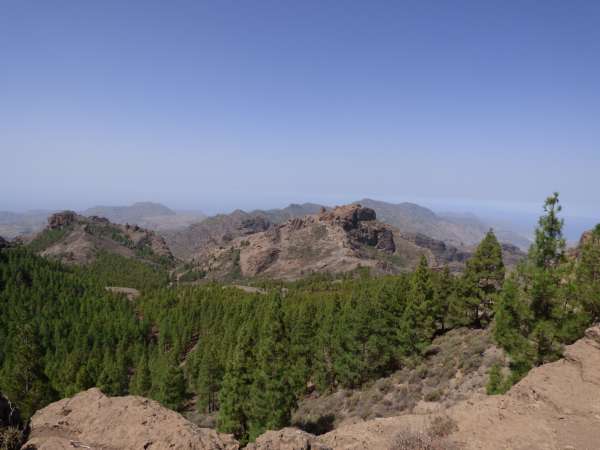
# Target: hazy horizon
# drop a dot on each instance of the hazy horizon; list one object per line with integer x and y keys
{"x": 216, "y": 106}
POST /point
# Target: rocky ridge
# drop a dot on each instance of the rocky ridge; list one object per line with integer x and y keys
{"x": 335, "y": 241}
{"x": 76, "y": 239}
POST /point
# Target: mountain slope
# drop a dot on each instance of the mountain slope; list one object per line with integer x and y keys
{"x": 455, "y": 230}
{"x": 75, "y": 239}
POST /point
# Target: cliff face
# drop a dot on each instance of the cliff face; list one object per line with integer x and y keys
{"x": 76, "y": 239}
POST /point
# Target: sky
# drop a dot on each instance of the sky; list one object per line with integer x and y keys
{"x": 215, "y": 105}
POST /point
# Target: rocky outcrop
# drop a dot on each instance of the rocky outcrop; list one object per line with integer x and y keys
{"x": 76, "y": 239}
{"x": 92, "y": 420}
{"x": 287, "y": 439}
{"x": 61, "y": 219}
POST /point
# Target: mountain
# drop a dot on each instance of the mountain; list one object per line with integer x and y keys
{"x": 76, "y": 239}
{"x": 545, "y": 410}
{"x": 457, "y": 230}
{"x": 222, "y": 228}
{"x": 335, "y": 241}
{"x": 149, "y": 215}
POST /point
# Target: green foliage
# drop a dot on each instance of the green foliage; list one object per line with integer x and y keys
{"x": 111, "y": 269}
{"x": 497, "y": 384}
{"x": 588, "y": 275}
{"x": 482, "y": 281}
{"x": 47, "y": 238}
{"x": 22, "y": 377}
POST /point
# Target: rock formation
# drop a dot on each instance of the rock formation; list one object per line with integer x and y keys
{"x": 338, "y": 240}
{"x": 77, "y": 239}
{"x": 92, "y": 420}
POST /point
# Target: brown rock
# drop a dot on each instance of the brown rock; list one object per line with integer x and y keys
{"x": 61, "y": 219}
{"x": 287, "y": 439}
{"x": 92, "y": 420}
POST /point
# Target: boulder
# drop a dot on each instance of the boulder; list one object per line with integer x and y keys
{"x": 287, "y": 439}
{"x": 90, "y": 419}
{"x": 61, "y": 219}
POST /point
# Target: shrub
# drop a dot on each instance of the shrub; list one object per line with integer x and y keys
{"x": 11, "y": 438}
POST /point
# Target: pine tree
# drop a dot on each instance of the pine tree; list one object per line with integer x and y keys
{"x": 235, "y": 391}
{"x": 417, "y": 325}
{"x": 483, "y": 279}
{"x": 23, "y": 379}
{"x": 208, "y": 381}
{"x": 588, "y": 275}
{"x": 272, "y": 392}
{"x": 444, "y": 290}
{"x": 172, "y": 385}
{"x": 141, "y": 382}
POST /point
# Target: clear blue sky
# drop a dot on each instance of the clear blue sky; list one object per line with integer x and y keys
{"x": 217, "y": 105}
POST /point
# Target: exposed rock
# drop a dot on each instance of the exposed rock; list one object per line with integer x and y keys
{"x": 348, "y": 216}
{"x": 61, "y": 219}
{"x": 253, "y": 225}
{"x": 130, "y": 293}
{"x": 92, "y": 420}
{"x": 287, "y": 439}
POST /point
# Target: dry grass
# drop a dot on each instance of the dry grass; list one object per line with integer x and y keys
{"x": 11, "y": 438}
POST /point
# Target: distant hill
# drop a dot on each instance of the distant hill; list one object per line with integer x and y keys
{"x": 458, "y": 230}
{"x": 75, "y": 239}
{"x": 14, "y": 224}
{"x": 153, "y": 216}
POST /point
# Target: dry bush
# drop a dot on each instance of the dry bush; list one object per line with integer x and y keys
{"x": 11, "y": 438}
{"x": 442, "y": 426}
{"x": 414, "y": 440}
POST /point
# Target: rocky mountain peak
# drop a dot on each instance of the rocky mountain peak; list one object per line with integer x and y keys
{"x": 348, "y": 216}
{"x": 61, "y": 219}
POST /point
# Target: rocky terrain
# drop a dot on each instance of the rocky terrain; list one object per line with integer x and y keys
{"x": 93, "y": 420}
{"x": 222, "y": 228}
{"x": 555, "y": 407}
{"x": 335, "y": 241}
{"x": 76, "y": 239}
